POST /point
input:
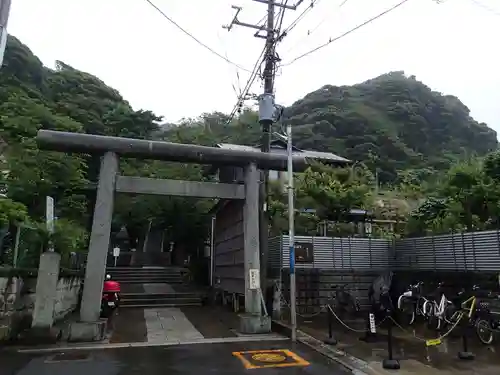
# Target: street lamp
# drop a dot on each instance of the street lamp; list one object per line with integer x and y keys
{"x": 291, "y": 230}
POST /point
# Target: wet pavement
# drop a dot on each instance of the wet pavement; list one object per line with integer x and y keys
{"x": 213, "y": 321}
{"x": 129, "y": 325}
{"x": 409, "y": 348}
{"x": 231, "y": 358}
{"x": 162, "y": 324}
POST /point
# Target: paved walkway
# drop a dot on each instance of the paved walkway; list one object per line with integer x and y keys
{"x": 264, "y": 358}
{"x": 169, "y": 324}
{"x": 158, "y": 325}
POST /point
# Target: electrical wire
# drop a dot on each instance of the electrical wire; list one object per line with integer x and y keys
{"x": 346, "y": 33}
{"x": 310, "y": 32}
{"x": 280, "y": 18}
{"x": 248, "y": 86}
{"x": 298, "y": 19}
{"x": 237, "y": 87}
{"x": 485, "y": 7}
{"x": 195, "y": 38}
{"x": 278, "y": 37}
{"x": 255, "y": 72}
{"x": 344, "y": 2}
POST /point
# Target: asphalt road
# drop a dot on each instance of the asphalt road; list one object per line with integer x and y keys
{"x": 262, "y": 358}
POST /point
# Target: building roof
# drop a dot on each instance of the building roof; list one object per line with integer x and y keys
{"x": 279, "y": 146}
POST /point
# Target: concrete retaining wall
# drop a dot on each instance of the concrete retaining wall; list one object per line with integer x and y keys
{"x": 17, "y": 300}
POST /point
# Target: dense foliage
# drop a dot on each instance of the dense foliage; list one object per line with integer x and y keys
{"x": 33, "y": 97}
{"x": 467, "y": 199}
{"x": 392, "y": 122}
{"x": 399, "y": 131}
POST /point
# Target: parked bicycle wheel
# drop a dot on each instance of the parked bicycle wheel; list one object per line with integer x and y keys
{"x": 428, "y": 308}
{"x": 451, "y": 314}
{"x": 484, "y": 331}
{"x": 420, "y": 306}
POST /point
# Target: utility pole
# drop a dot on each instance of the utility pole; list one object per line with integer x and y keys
{"x": 267, "y": 112}
{"x": 4, "y": 17}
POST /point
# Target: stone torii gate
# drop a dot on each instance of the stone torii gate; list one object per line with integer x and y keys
{"x": 90, "y": 327}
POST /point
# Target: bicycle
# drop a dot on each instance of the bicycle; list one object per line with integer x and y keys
{"x": 435, "y": 311}
{"x": 411, "y": 302}
{"x": 477, "y": 312}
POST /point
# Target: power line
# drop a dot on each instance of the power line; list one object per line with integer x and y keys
{"x": 253, "y": 76}
{"x": 195, "y": 38}
{"x": 485, "y": 7}
{"x": 237, "y": 90}
{"x": 346, "y": 33}
{"x": 299, "y": 18}
{"x": 310, "y": 32}
{"x": 275, "y": 31}
{"x": 247, "y": 87}
{"x": 280, "y": 18}
{"x": 344, "y": 2}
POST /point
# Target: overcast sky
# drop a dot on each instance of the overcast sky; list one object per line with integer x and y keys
{"x": 128, "y": 44}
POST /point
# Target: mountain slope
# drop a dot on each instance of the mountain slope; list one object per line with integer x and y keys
{"x": 393, "y": 122}
{"x": 34, "y": 97}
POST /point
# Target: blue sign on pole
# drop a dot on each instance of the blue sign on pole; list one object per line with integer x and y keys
{"x": 292, "y": 259}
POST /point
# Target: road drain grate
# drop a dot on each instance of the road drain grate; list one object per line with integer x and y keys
{"x": 66, "y": 357}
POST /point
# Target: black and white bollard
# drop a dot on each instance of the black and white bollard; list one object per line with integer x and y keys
{"x": 331, "y": 339}
{"x": 371, "y": 329}
{"x": 390, "y": 363}
{"x": 465, "y": 354}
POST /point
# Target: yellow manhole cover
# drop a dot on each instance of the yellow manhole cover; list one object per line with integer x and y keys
{"x": 269, "y": 357}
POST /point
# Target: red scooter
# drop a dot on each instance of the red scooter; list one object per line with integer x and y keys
{"x": 110, "y": 297}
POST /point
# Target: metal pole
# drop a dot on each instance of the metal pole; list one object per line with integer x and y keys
{"x": 4, "y": 18}
{"x": 291, "y": 236}
{"x": 212, "y": 251}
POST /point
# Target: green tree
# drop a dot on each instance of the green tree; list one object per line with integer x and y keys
{"x": 467, "y": 199}
{"x": 11, "y": 212}
{"x": 334, "y": 191}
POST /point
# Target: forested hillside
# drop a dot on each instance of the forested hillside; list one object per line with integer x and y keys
{"x": 394, "y": 121}
{"x": 34, "y": 97}
{"x": 391, "y": 123}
